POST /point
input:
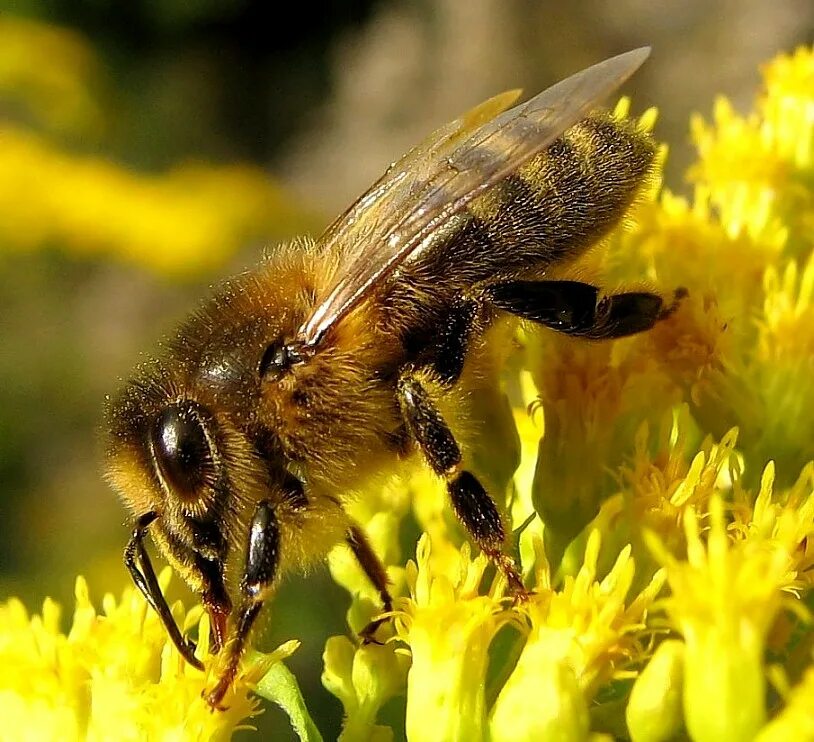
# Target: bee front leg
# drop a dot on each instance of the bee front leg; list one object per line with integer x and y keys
{"x": 262, "y": 560}
{"x": 474, "y": 507}
{"x": 141, "y": 569}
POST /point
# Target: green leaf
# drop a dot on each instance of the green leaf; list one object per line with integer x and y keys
{"x": 280, "y": 686}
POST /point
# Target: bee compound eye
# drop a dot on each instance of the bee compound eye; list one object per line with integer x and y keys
{"x": 182, "y": 449}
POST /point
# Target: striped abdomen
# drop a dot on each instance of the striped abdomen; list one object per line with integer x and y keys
{"x": 551, "y": 209}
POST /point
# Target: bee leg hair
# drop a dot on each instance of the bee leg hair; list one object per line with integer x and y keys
{"x": 575, "y": 308}
{"x": 262, "y": 560}
{"x": 472, "y": 504}
{"x": 375, "y": 572}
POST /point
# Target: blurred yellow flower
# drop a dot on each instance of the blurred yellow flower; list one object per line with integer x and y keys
{"x": 654, "y": 711}
{"x": 186, "y": 221}
{"x": 50, "y": 73}
{"x": 796, "y": 720}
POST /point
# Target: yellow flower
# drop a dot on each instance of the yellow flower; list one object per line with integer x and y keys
{"x": 787, "y": 106}
{"x": 796, "y": 720}
{"x": 661, "y": 483}
{"x": 364, "y": 679}
{"x": 723, "y": 601}
{"x": 758, "y": 167}
{"x": 52, "y": 72}
{"x": 654, "y": 710}
{"x": 594, "y": 398}
{"x": 188, "y": 220}
{"x": 784, "y": 522}
{"x": 579, "y": 637}
{"x": 449, "y": 627}
{"x": 780, "y": 369}
{"x": 114, "y": 676}
{"x": 185, "y": 221}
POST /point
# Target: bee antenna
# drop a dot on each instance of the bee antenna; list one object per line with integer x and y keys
{"x": 145, "y": 579}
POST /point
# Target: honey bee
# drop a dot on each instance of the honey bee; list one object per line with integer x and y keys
{"x": 238, "y": 447}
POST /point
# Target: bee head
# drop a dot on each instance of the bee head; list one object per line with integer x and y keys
{"x": 182, "y": 434}
{"x": 182, "y": 458}
{"x": 196, "y": 464}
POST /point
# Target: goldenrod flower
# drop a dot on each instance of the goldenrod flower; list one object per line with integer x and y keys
{"x": 364, "y": 679}
{"x": 579, "y": 638}
{"x": 757, "y": 166}
{"x": 449, "y": 626}
{"x": 114, "y": 676}
{"x": 663, "y": 479}
{"x": 724, "y": 599}
{"x": 654, "y": 711}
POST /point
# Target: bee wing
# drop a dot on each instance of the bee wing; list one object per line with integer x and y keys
{"x": 455, "y": 165}
{"x": 389, "y": 188}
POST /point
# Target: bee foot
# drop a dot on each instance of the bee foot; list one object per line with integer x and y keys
{"x": 678, "y": 296}
{"x": 214, "y": 698}
{"x": 368, "y": 634}
{"x": 521, "y": 596}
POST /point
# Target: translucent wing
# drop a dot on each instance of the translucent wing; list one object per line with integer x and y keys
{"x": 364, "y": 211}
{"x": 436, "y": 180}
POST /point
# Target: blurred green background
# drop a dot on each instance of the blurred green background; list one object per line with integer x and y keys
{"x": 149, "y": 148}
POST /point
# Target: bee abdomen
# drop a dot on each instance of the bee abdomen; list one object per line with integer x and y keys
{"x": 555, "y": 206}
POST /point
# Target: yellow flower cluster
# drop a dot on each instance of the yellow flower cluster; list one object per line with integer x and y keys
{"x": 189, "y": 220}
{"x": 49, "y": 74}
{"x": 674, "y": 547}
{"x": 114, "y": 676}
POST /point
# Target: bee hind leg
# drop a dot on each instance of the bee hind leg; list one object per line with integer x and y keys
{"x": 575, "y": 308}
{"x": 471, "y": 502}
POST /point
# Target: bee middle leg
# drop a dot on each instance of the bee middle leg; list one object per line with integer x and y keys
{"x": 375, "y": 572}
{"x": 472, "y": 504}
